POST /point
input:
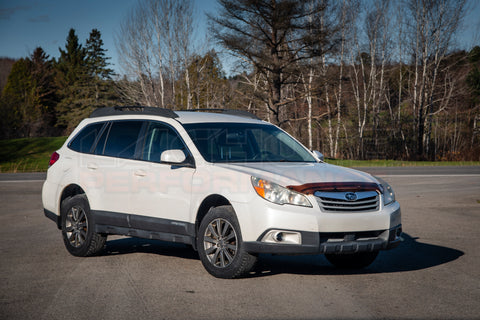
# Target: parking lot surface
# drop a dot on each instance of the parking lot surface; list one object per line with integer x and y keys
{"x": 434, "y": 274}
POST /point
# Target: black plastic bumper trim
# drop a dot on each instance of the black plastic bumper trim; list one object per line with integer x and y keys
{"x": 146, "y": 234}
{"x": 143, "y": 227}
{"x": 52, "y": 216}
{"x": 319, "y": 243}
{"x": 132, "y": 221}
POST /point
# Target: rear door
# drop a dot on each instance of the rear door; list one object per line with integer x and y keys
{"x": 110, "y": 169}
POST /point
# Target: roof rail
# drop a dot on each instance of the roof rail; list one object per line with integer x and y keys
{"x": 130, "y": 110}
{"x": 239, "y": 113}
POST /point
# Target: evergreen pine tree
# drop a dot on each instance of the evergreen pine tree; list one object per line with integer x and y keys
{"x": 28, "y": 98}
{"x": 72, "y": 60}
{"x": 207, "y": 82}
{"x": 101, "y": 85}
{"x": 45, "y": 91}
{"x": 96, "y": 58}
{"x": 73, "y": 81}
{"x": 17, "y": 101}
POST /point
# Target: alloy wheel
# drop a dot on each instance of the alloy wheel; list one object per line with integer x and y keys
{"x": 220, "y": 243}
{"x": 76, "y": 226}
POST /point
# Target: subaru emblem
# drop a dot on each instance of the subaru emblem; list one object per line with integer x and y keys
{"x": 351, "y": 196}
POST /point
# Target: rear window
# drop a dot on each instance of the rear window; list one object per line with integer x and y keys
{"x": 84, "y": 140}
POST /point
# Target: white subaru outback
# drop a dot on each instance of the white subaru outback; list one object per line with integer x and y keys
{"x": 229, "y": 184}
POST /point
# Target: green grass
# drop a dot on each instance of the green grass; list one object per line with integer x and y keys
{"x": 28, "y": 154}
{"x": 32, "y": 155}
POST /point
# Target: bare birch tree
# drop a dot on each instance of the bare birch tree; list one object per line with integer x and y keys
{"x": 154, "y": 45}
{"x": 368, "y": 57}
{"x": 345, "y": 14}
{"x": 434, "y": 24}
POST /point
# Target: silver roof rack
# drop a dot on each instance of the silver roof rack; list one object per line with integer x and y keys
{"x": 239, "y": 113}
{"x": 130, "y": 110}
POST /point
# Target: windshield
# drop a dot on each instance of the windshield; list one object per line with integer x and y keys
{"x": 240, "y": 142}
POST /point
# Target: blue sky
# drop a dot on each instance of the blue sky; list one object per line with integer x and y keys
{"x": 27, "y": 24}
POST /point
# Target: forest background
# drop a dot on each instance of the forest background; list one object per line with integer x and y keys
{"x": 354, "y": 79}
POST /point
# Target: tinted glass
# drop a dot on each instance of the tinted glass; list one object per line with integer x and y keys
{"x": 86, "y": 137}
{"x": 122, "y": 139}
{"x": 159, "y": 138}
{"x": 100, "y": 147}
{"x": 232, "y": 142}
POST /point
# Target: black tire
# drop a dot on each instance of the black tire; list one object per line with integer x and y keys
{"x": 78, "y": 228}
{"x": 357, "y": 260}
{"x": 220, "y": 245}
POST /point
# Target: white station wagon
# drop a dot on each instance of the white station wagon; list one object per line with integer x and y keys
{"x": 228, "y": 184}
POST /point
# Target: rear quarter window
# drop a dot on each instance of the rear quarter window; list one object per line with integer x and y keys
{"x": 84, "y": 140}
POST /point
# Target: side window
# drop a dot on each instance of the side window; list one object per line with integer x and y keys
{"x": 100, "y": 147}
{"x": 86, "y": 137}
{"x": 159, "y": 138}
{"x": 122, "y": 139}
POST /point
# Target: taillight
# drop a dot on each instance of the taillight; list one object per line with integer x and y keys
{"x": 55, "y": 156}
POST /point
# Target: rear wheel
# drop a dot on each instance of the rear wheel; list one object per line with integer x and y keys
{"x": 78, "y": 229}
{"x": 357, "y": 260}
{"x": 220, "y": 244}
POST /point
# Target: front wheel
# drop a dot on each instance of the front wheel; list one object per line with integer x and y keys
{"x": 356, "y": 260}
{"x": 78, "y": 228}
{"x": 220, "y": 245}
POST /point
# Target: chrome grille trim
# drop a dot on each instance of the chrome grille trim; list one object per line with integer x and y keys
{"x": 337, "y": 202}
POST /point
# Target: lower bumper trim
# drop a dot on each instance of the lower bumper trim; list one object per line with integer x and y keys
{"x": 320, "y": 243}
{"x": 328, "y": 247}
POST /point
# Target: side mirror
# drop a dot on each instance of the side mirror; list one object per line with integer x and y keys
{"x": 175, "y": 156}
{"x": 319, "y": 155}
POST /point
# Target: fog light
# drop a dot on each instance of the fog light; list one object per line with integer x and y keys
{"x": 283, "y": 237}
{"x": 279, "y": 237}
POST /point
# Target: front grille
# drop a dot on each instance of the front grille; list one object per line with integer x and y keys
{"x": 348, "y": 201}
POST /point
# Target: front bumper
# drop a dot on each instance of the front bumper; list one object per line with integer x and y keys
{"x": 332, "y": 242}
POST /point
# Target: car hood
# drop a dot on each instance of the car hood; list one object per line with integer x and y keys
{"x": 291, "y": 174}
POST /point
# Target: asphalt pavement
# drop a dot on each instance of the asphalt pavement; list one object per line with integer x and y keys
{"x": 434, "y": 274}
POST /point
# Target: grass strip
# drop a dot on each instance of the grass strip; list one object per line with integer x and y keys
{"x": 28, "y": 154}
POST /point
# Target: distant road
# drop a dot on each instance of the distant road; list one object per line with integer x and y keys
{"x": 418, "y": 171}
{"x": 380, "y": 171}
{"x": 29, "y": 176}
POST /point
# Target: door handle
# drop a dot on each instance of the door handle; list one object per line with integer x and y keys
{"x": 92, "y": 166}
{"x": 140, "y": 173}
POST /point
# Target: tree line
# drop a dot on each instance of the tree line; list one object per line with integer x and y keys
{"x": 47, "y": 97}
{"x": 355, "y": 79}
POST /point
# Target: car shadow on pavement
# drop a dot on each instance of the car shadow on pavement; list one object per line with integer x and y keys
{"x": 134, "y": 245}
{"x": 410, "y": 255}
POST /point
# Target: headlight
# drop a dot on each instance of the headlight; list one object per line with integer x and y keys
{"x": 388, "y": 194}
{"x": 277, "y": 194}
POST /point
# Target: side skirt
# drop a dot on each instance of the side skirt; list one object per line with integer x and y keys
{"x": 144, "y": 227}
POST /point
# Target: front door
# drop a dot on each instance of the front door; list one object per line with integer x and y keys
{"x": 161, "y": 192}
